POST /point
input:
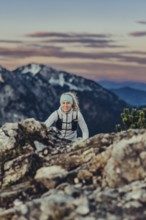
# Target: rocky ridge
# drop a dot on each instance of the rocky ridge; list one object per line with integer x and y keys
{"x": 43, "y": 177}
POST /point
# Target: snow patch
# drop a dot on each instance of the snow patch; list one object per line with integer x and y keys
{"x": 1, "y": 78}
{"x": 33, "y": 68}
{"x": 61, "y": 81}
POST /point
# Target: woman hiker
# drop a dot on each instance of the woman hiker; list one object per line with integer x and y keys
{"x": 68, "y": 117}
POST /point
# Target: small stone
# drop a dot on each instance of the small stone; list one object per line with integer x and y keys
{"x": 76, "y": 180}
{"x": 24, "y": 209}
{"x": 82, "y": 210}
{"x": 17, "y": 202}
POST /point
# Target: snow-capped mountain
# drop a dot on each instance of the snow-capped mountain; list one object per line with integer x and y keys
{"x": 34, "y": 91}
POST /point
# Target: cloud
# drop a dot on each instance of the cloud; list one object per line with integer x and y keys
{"x": 11, "y": 41}
{"x": 82, "y": 39}
{"x": 98, "y": 70}
{"x": 65, "y": 35}
{"x": 138, "y": 34}
{"x": 141, "y": 22}
{"x": 81, "y": 53}
{"x": 60, "y": 53}
{"x": 132, "y": 59}
{"x": 22, "y": 52}
{"x": 85, "y": 42}
{"x": 71, "y": 46}
{"x": 103, "y": 45}
{"x": 135, "y": 52}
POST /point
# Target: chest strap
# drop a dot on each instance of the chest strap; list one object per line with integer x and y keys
{"x": 74, "y": 123}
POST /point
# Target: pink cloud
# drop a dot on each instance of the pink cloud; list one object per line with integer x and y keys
{"x": 138, "y": 34}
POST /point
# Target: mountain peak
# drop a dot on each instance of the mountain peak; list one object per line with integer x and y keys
{"x": 56, "y": 77}
{"x": 33, "y": 68}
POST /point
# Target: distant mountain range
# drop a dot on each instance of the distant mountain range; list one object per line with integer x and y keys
{"x": 116, "y": 85}
{"x": 134, "y": 93}
{"x": 34, "y": 91}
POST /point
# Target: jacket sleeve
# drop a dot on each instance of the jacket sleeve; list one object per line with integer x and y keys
{"x": 83, "y": 126}
{"x": 51, "y": 119}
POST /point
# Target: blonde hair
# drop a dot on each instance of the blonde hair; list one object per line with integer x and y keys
{"x": 75, "y": 100}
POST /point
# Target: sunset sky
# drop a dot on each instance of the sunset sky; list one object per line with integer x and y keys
{"x": 97, "y": 39}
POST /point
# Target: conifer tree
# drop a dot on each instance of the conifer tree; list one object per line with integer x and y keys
{"x": 134, "y": 118}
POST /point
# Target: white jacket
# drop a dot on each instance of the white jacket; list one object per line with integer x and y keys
{"x": 67, "y": 118}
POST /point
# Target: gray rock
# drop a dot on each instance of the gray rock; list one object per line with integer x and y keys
{"x": 44, "y": 177}
{"x": 50, "y": 176}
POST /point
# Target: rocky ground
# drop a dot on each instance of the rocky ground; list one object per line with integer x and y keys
{"x": 43, "y": 177}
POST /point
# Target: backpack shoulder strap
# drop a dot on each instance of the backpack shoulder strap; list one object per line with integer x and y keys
{"x": 58, "y": 114}
{"x": 75, "y": 115}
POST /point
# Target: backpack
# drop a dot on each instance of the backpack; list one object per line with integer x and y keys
{"x": 74, "y": 123}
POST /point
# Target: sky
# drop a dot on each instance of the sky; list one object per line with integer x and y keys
{"x": 97, "y": 39}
